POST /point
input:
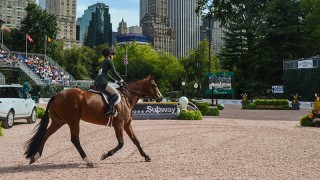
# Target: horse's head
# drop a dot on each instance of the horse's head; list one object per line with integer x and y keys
{"x": 152, "y": 89}
{"x": 145, "y": 88}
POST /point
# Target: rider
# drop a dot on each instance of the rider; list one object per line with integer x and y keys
{"x": 104, "y": 77}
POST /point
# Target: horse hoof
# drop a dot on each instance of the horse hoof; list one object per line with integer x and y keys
{"x": 90, "y": 165}
{"x": 32, "y": 160}
{"x": 148, "y": 159}
{"x": 103, "y": 156}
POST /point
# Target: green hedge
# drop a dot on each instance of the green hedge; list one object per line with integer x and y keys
{"x": 40, "y": 112}
{"x": 206, "y": 110}
{"x": 305, "y": 121}
{"x": 250, "y": 106}
{"x": 190, "y": 115}
{"x": 220, "y": 107}
{"x": 278, "y": 103}
{"x": 213, "y": 112}
{"x": 271, "y": 102}
{"x": 1, "y": 134}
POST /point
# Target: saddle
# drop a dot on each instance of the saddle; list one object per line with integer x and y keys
{"x": 106, "y": 96}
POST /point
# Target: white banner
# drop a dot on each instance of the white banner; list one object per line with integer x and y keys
{"x": 305, "y": 64}
{"x": 277, "y": 89}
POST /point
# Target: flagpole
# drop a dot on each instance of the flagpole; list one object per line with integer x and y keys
{"x": 1, "y": 37}
{"x": 26, "y": 47}
{"x": 126, "y": 63}
{"x": 45, "y": 47}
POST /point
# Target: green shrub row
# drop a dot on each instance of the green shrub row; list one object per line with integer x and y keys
{"x": 207, "y": 111}
{"x": 271, "y": 102}
{"x": 1, "y": 134}
{"x": 283, "y": 103}
{"x": 250, "y": 106}
{"x": 220, "y": 107}
{"x": 40, "y": 112}
{"x": 305, "y": 121}
{"x": 190, "y": 115}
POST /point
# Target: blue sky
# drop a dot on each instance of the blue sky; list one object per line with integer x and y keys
{"x": 126, "y": 9}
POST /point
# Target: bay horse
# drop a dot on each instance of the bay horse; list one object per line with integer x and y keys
{"x": 72, "y": 105}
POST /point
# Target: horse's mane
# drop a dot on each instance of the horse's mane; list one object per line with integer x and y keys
{"x": 138, "y": 79}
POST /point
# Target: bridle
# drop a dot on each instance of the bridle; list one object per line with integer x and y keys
{"x": 153, "y": 84}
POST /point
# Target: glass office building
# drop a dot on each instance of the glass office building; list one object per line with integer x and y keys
{"x": 95, "y": 26}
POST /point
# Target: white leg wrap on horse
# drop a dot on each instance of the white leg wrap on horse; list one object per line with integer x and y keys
{"x": 36, "y": 157}
{"x": 86, "y": 159}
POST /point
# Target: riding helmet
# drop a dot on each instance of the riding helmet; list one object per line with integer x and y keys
{"x": 107, "y": 51}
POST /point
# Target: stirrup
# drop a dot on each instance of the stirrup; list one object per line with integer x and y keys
{"x": 110, "y": 113}
{"x": 113, "y": 113}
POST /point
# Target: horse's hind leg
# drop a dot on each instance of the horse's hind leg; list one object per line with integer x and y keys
{"x": 118, "y": 128}
{"x": 133, "y": 137}
{"x": 52, "y": 129}
{"x": 74, "y": 128}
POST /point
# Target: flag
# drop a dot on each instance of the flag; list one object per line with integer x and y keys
{"x": 125, "y": 60}
{"x": 29, "y": 38}
{"x": 49, "y": 39}
{"x": 5, "y": 28}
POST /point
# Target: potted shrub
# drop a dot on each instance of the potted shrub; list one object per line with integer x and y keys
{"x": 245, "y": 100}
{"x": 295, "y": 105}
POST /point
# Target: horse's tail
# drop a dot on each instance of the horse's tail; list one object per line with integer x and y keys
{"x": 32, "y": 146}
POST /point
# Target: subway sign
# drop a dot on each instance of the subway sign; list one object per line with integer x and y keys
{"x": 155, "y": 111}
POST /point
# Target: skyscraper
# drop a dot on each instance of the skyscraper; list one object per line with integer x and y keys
{"x": 13, "y": 11}
{"x": 96, "y": 27}
{"x": 156, "y": 24}
{"x": 186, "y": 23}
{"x": 122, "y": 29}
{"x": 143, "y": 9}
{"x": 65, "y": 11}
{"x": 42, "y": 4}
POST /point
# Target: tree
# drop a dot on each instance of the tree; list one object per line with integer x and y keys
{"x": 196, "y": 64}
{"x": 284, "y": 39}
{"x": 144, "y": 61}
{"x": 311, "y": 12}
{"x": 243, "y": 23}
{"x": 38, "y": 24}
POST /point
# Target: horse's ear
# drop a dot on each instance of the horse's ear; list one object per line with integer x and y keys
{"x": 151, "y": 76}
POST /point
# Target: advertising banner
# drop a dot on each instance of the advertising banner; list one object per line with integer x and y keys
{"x": 305, "y": 64}
{"x": 155, "y": 111}
{"x": 220, "y": 83}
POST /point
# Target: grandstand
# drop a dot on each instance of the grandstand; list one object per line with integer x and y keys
{"x": 41, "y": 69}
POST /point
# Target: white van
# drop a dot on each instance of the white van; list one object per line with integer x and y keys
{"x": 15, "y": 105}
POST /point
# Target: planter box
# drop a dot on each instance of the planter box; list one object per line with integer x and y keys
{"x": 295, "y": 106}
{"x": 244, "y": 103}
{"x": 269, "y": 106}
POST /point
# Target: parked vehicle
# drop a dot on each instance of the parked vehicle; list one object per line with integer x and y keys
{"x": 16, "y": 104}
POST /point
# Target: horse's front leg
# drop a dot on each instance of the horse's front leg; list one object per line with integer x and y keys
{"x": 118, "y": 128}
{"x": 74, "y": 128}
{"x": 129, "y": 130}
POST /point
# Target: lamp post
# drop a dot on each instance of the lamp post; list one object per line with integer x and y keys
{"x": 209, "y": 16}
{"x": 1, "y": 23}
{"x": 196, "y": 87}
{"x": 183, "y": 84}
{"x": 212, "y": 89}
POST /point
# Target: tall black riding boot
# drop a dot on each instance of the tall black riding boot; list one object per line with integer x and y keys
{"x": 110, "y": 108}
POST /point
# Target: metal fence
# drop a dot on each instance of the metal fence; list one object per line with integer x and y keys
{"x": 2, "y": 79}
{"x": 294, "y": 64}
